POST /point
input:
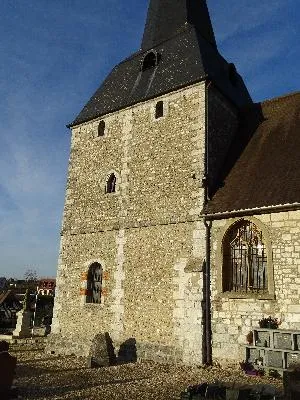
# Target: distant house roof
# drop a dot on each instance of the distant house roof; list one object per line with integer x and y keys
{"x": 47, "y": 279}
{"x": 263, "y": 165}
{"x": 6, "y": 295}
{"x": 181, "y": 36}
{"x": 49, "y": 283}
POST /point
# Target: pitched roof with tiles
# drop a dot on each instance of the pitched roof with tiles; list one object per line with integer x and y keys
{"x": 263, "y": 165}
{"x": 4, "y": 295}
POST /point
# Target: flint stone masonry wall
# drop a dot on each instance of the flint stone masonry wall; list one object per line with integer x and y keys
{"x": 146, "y": 235}
{"x": 155, "y": 161}
{"x": 233, "y": 318}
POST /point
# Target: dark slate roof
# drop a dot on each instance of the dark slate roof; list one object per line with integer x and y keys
{"x": 180, "y": 32}
{"x": 5, "y": 295}
{"x": 185, "y": 59}
{"x": 263, "y": 165}
{"x": 166, "y": 18}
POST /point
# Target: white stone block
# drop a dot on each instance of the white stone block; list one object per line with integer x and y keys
{"x": 281, "y": 216}
{"x": 295, "y": 308}
{"x": 178, "y": 313}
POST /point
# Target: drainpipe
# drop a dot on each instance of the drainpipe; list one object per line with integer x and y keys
{"x": 207, "y": 349}
{"x": 206, "y": 144}
{"x": 207, "y": 293}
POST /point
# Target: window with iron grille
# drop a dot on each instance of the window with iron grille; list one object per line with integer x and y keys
{"x": 245, "y": 259}
{"x": 94, "y": 283}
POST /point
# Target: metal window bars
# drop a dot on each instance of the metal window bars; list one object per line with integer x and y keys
{"x": 248, "y": 259}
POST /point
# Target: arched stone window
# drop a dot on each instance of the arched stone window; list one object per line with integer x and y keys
{"x": 159, "y": 109}
{"x": 150, "y": 61}
{"x": 245, "y": 264}
{"x": 111, "y": 184}
{"x": 101, "y": 128}
{"x": 94, "y": 283}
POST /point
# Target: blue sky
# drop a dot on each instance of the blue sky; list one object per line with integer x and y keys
{"x": 56, "y": 53}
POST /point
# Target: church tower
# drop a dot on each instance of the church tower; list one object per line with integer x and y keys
{"x": 145, "y": 154}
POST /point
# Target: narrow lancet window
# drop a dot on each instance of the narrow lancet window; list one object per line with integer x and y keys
{"x": 101, "y": 128}
{"x": 159, "y": 109}
{"x": 94, "y": 283}
{"x": 111, "y": 184}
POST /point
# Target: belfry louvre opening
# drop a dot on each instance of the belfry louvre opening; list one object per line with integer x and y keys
{"x": 150, "y": 61}
{"x": 244, "y": 259}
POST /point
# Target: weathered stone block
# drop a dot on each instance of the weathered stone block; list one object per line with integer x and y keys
{"x": 101, "y": 352}
{"x": 291, "y": 384}
{"x": 280, "y": 216}
{"x": 294, "y": 308}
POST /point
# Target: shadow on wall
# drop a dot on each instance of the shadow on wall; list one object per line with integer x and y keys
{"x": 102, "y": 352}
{"x": 127, "y": 352}
{"x": 250, "y": 118}
{"x": 110, "y": 349}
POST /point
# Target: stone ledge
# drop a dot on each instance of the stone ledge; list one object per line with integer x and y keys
{"x": 254, "y": 296}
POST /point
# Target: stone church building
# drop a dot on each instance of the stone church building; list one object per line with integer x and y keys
{"x": 181, "y": 225}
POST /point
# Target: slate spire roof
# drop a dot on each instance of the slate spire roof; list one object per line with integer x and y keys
{"x": 166, "y": 18}
{"x": 180, "y": 34}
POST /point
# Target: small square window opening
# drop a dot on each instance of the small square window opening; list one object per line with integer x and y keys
{"x": 159, "y": 109}
{"x": 101, "y": 128}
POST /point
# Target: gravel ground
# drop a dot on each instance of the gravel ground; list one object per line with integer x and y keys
{"x": 42, "y": 376}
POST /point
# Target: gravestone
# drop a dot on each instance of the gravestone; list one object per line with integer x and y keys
{"x": 22, "y": 329}
{"x": 215, "y": 391}
{"x": 291, "y": 384}
{"x": 194, "y": 392}
{"x": 101, "y": 352}
{"x": 7, "y": 371}
{"x": 237, "y": 393}
{"x": 222, "y": 391}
